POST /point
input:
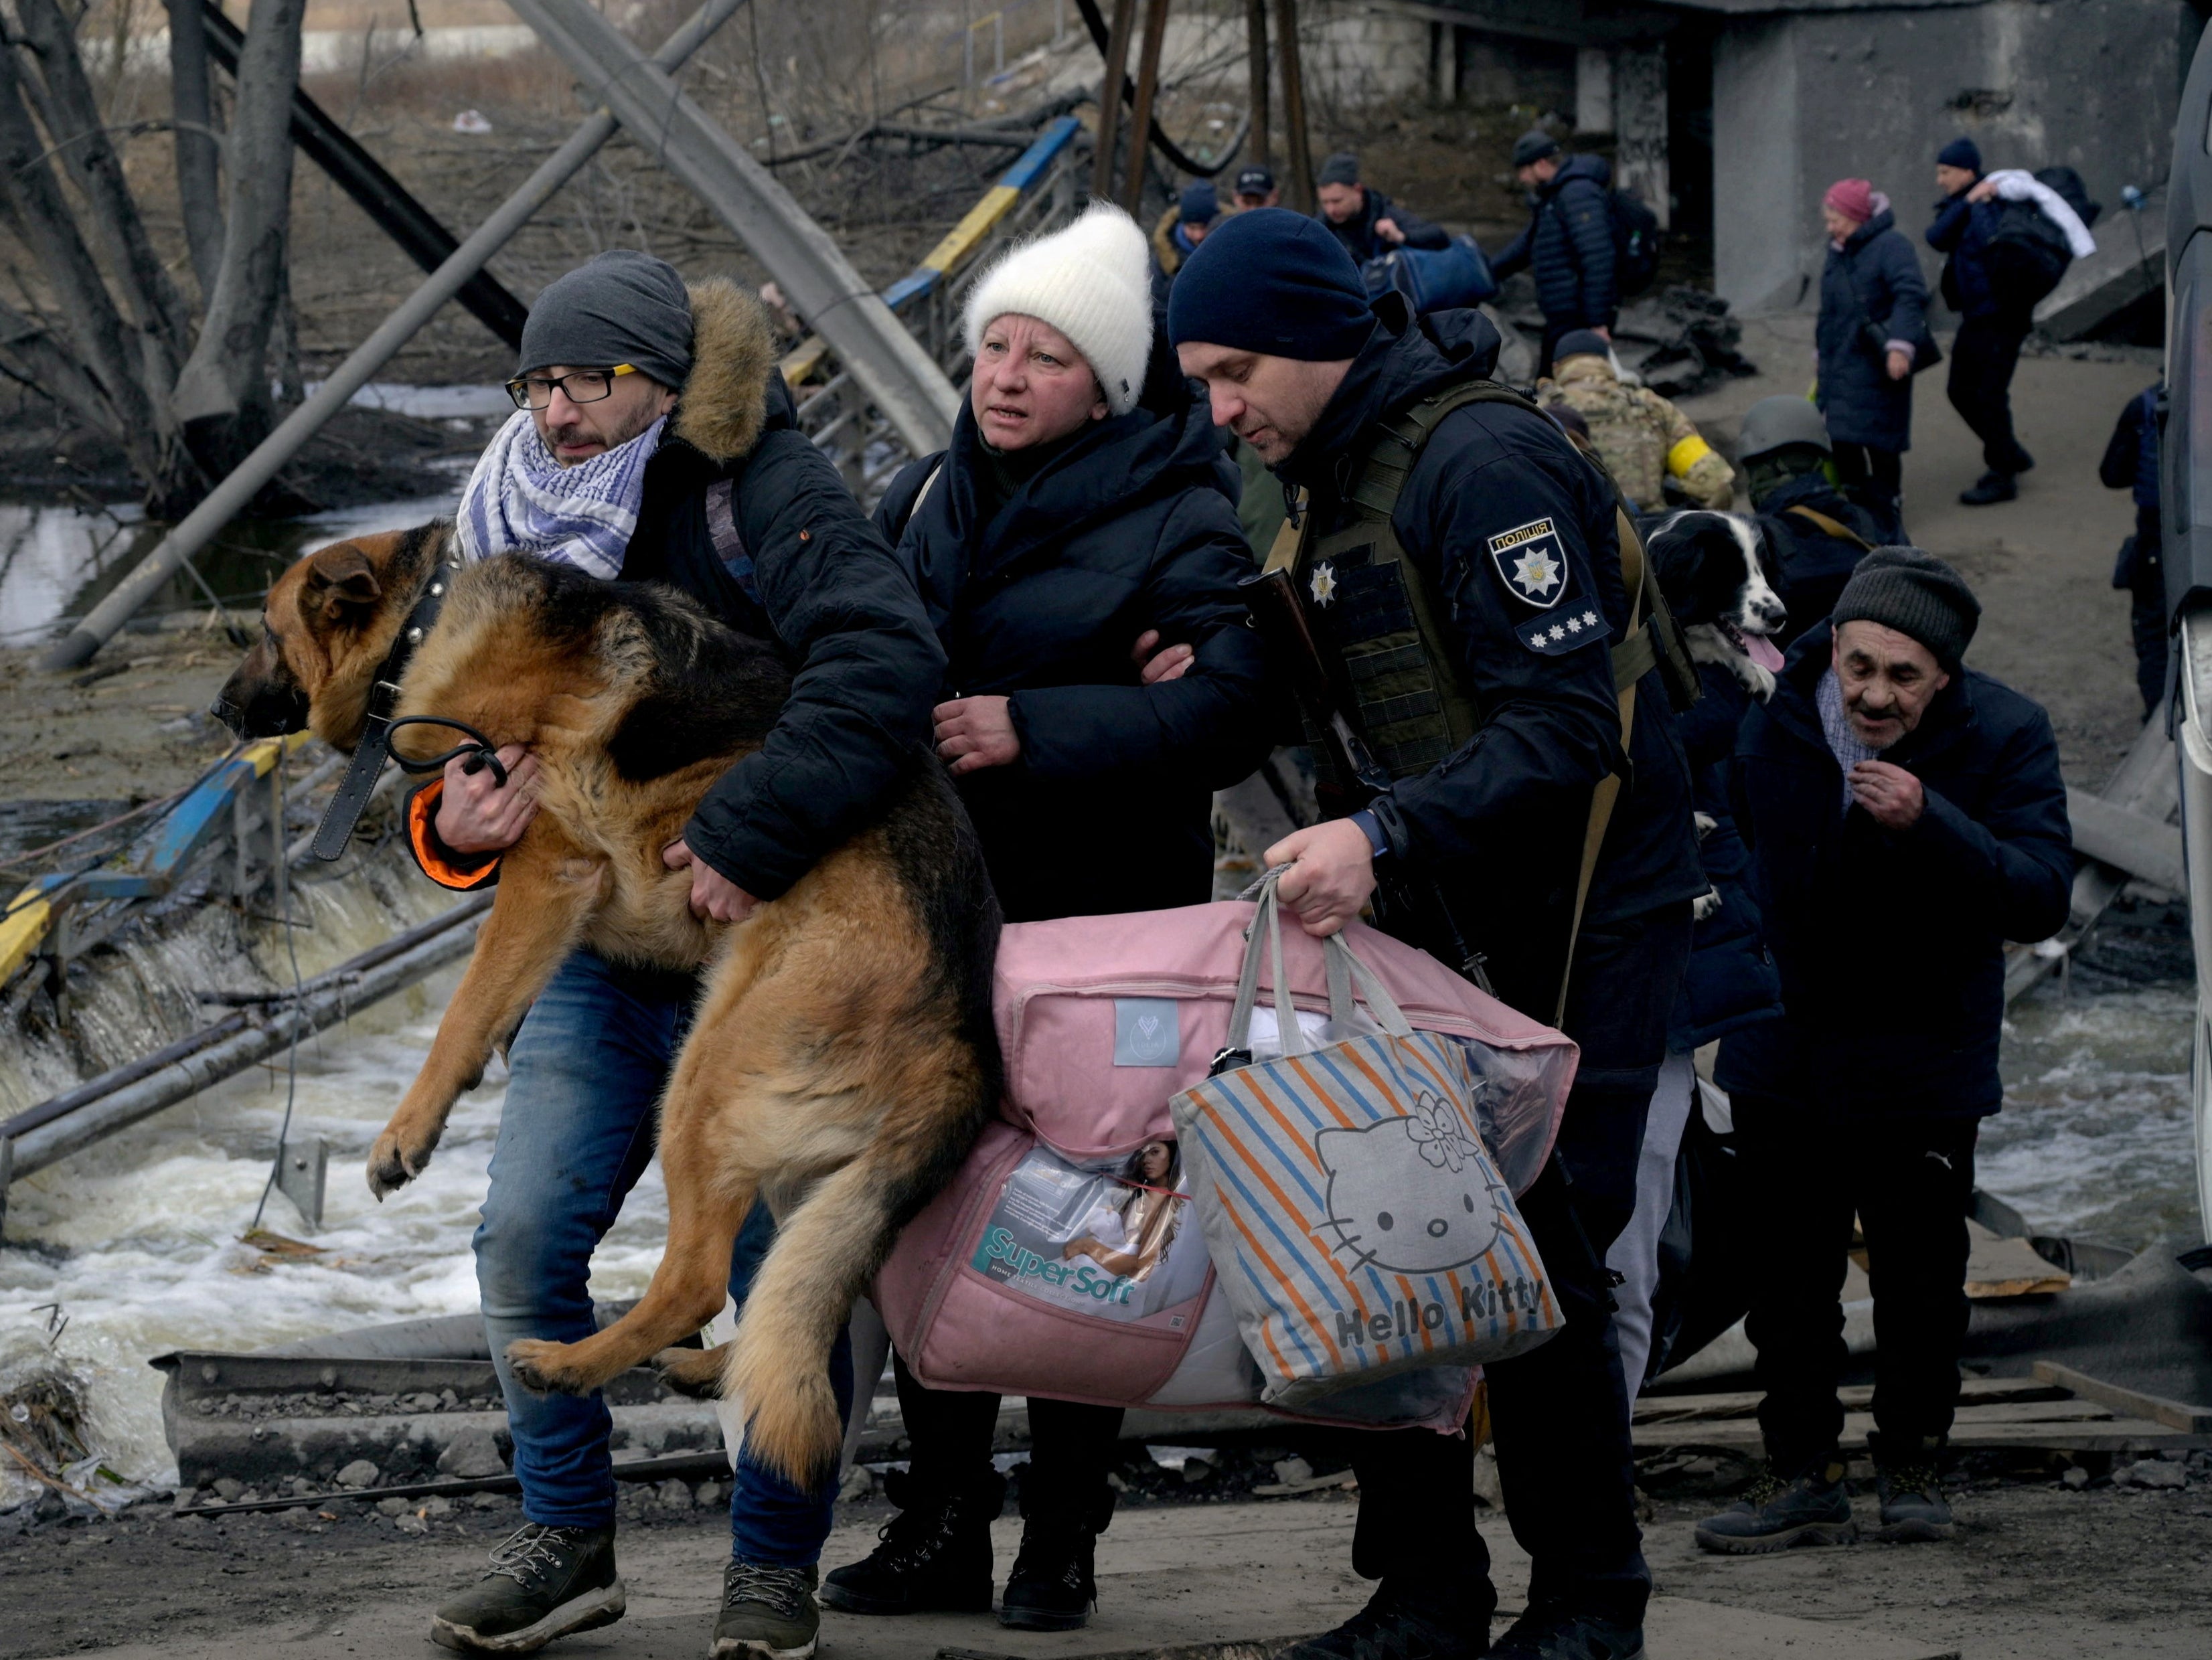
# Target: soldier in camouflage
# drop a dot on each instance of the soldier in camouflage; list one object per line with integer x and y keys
{"x": 1640, "y": 436}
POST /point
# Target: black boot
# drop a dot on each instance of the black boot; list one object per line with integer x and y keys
{"x": 935, "y": 1553}
{"x": 1053, "y": 1586}
{"x": 1403, "y": 1622}
{"x": 1991, "y": 486}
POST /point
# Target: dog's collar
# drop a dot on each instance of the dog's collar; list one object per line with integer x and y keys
{"x": 374, "y": 749}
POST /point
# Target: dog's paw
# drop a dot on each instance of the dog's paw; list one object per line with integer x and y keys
{"x": 1757, "y": 680}
{"x": 544, "y": 1368}
{"x": 696, "y": 1372}
{"x": 1706, "y": 903}
{"x": 391, "y": 1167}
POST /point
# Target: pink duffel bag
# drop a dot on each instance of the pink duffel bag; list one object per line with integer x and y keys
{"x": 1062, "y": 1260}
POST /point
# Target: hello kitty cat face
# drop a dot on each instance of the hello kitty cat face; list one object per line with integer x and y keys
{"x": 1409, "y": 1195}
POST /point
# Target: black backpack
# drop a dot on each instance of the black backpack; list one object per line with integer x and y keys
{"x": 1635, "y": 241}
{"x": 2027, "y": 255}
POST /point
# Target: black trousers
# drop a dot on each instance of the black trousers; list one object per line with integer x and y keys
{"x": 1560, "y": 1413}
{"x": 1070, "y": 1449}
{"x": 1983, "y": 360}
{"x": 1910, "y": 1184}
{"x": 1879, "y": 476}
{"x": 2147, "y": 614}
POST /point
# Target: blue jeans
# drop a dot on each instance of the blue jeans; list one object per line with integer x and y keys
{"x": 584, "y": 1088}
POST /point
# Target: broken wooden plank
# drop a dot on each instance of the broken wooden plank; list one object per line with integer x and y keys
{"x": 2146, "y": 848}
{"x": 1854, "y": 1398}
{"x": 2008, "y": 1267}
{"x": 2175, "y": 1415}
{"x": 1969, "y": 1432}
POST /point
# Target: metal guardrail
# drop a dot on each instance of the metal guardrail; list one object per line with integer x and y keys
{"x": 1042, "y": 191}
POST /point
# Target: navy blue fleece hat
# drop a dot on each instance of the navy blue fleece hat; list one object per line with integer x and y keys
{"x": 1274, "y": 282}
{"x": 1961, "y": 152}
{"x": 1199, "y": 205}
{"x": 1581, "y": 343}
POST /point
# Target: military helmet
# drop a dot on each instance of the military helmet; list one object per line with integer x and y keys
{"x": 1775, "y": 423}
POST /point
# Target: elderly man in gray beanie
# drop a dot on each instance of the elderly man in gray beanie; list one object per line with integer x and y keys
{"x": 654, "y": 440}
{"x": 1906, "y": 818}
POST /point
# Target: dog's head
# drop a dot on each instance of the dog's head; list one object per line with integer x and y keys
{"x": 326, "y": 625}
{"x": 1718, "y": 569}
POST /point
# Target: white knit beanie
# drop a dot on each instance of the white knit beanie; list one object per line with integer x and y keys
{"x": 1092, "y": 281}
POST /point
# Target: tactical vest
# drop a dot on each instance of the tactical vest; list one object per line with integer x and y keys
{"x": 1387, "y": 629}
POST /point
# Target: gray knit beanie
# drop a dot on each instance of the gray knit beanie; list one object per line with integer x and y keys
{"x": 1918, "y": 594}
{"x": 622, "y": 307}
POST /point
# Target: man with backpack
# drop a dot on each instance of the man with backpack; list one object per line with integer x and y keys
{"x": 1586, "y": 244}
{"x": 2010, "y": 236}
{"x": 1461, "y": 562}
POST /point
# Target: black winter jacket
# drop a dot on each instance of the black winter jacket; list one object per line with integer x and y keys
{"x": 1962, "y": 229}
{"x": 1568, "y": 245}
{"x": 1499, "y": 824}
{"x": 1873, "y": 277}
{"x": 1731, "y": 981}
{"x": 1815, "y": 566}
{"x": 1132, "y": 526}
{"x": 795, "y": 561}
{"x": 1362, "y": 244}
{"x": 1892, "y": 946}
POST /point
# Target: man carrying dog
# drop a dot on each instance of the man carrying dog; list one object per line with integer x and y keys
{"x": 1497, "y": 566}
{"x": 654, "y": 441}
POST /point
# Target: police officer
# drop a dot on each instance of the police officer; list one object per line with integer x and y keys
{"x": 1497, "y": 729}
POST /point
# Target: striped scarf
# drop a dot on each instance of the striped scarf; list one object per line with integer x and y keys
{"x": 520, "y": 500}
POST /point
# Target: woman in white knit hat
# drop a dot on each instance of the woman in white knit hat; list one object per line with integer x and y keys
{"x": 1078, "y": 551}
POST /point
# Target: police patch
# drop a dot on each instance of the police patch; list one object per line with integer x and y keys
{"x": 1553, "y": 635}
{"x": 1531, "y": 563}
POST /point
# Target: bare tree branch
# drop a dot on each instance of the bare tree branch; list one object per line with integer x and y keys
{"x": 192, "y": 99}
{"x": 47, "y": 365}
{"x": 91, "y": 160}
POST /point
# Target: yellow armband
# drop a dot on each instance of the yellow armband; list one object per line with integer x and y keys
{"x": 1687, "y": 454}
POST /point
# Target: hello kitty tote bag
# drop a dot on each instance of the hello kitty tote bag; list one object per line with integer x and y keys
{"x": 1357, "y": 1223}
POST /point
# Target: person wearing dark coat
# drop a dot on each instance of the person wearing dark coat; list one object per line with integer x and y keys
{"x": 1873, "y": 315}
{"x": 1365, "y": 221}
{"x": 1567, "y": 244}
{"x": 689, "y": 468}
{"x": 1513, "y": 532}
{"x": 1821, "y": 530}
{"x": 1076, "y": 516}
{"x": 1906, "y": 818}
{"x": 1992, "y": 325}
{"x": 2131, "y": 463}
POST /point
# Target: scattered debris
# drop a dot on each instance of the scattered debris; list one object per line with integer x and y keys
{"x": 1680, "y": 340}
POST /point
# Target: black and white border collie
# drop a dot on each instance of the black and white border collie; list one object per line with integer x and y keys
{"x": 1716, "y": 570}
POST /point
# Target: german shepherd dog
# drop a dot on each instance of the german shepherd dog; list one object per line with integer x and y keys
{"x": 843, "y": 1057}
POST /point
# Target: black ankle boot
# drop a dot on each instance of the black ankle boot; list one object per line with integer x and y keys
{"x": 1053, "y": 1586}
{"x": 935, "y": 1553}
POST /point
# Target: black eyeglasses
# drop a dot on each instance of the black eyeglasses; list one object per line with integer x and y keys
{"x": 535, "y": 391}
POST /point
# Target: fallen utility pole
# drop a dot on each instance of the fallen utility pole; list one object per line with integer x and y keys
{"x": 50, "y": 1132}
{"x": 886, "y": 362}
{"x": 374, "y": 191}
{"x": 228, "y": 499}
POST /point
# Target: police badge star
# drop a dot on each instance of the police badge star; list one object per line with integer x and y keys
{"x": 1532, "y": 563}
{"x": 1323, "y": 587}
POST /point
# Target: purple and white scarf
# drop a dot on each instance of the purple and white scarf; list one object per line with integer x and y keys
{"x": 520, "y": 500}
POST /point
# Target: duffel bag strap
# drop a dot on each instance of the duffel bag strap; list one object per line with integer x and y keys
{"x": 1344, "y": 967}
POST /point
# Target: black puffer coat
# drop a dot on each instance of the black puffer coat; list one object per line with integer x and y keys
{"x": 1815, "y": 566}
{"x": 1731, "y": 981}
{"x": 1568, "y": 246}
{"x": 1873, "y": 277}
{"x": 1892, "y": 945}
{"x": 1364, "y": 242}
{"x": 1132, "y": 527}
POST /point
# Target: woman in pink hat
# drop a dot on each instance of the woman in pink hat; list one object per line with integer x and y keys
{"x": 1872, "y": 305}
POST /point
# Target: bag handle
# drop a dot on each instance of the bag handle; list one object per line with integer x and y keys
{"x": 1344, "y": 969}
{"x": 1345, "y": 966}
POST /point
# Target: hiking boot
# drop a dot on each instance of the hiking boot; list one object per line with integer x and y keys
{"x": 1913, "y": 1507}
{"x": 1552, "y": 1632}
{"x": 1053, "y": 1587}
{"x": 1815, "y": 1509}
{"x": 545, "y": 1582}
{"x": 766, "y": 1609}
{"x": 1399, "y": 1625}
{"x": 1987, "y": 488}
{"x": 935, "y": 1554}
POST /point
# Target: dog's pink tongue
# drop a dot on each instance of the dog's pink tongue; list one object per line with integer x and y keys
{"x": 1763, "y": 652}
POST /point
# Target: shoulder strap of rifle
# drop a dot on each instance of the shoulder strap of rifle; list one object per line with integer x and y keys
{"x": 1827, "y": 526}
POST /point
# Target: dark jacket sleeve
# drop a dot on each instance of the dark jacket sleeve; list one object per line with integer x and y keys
{"x": 1551, "y": 723}
{"x": 1419, "y": 233}
{"x": 1517, "y": 252}
{"x": 868, "y": 667}
{"x": 1709, "y": 726}
{"x": 2014, "y": 864}
{"x": 1211, "y": 724}
{"x": 1582, "y": 203}
{"x": 2118, "y": 468}
{"x": 1952, "y": 216}
{"x": 1908, "y": 290}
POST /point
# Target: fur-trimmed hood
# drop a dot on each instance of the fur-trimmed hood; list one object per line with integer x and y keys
{"x": 723, "y": 406}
